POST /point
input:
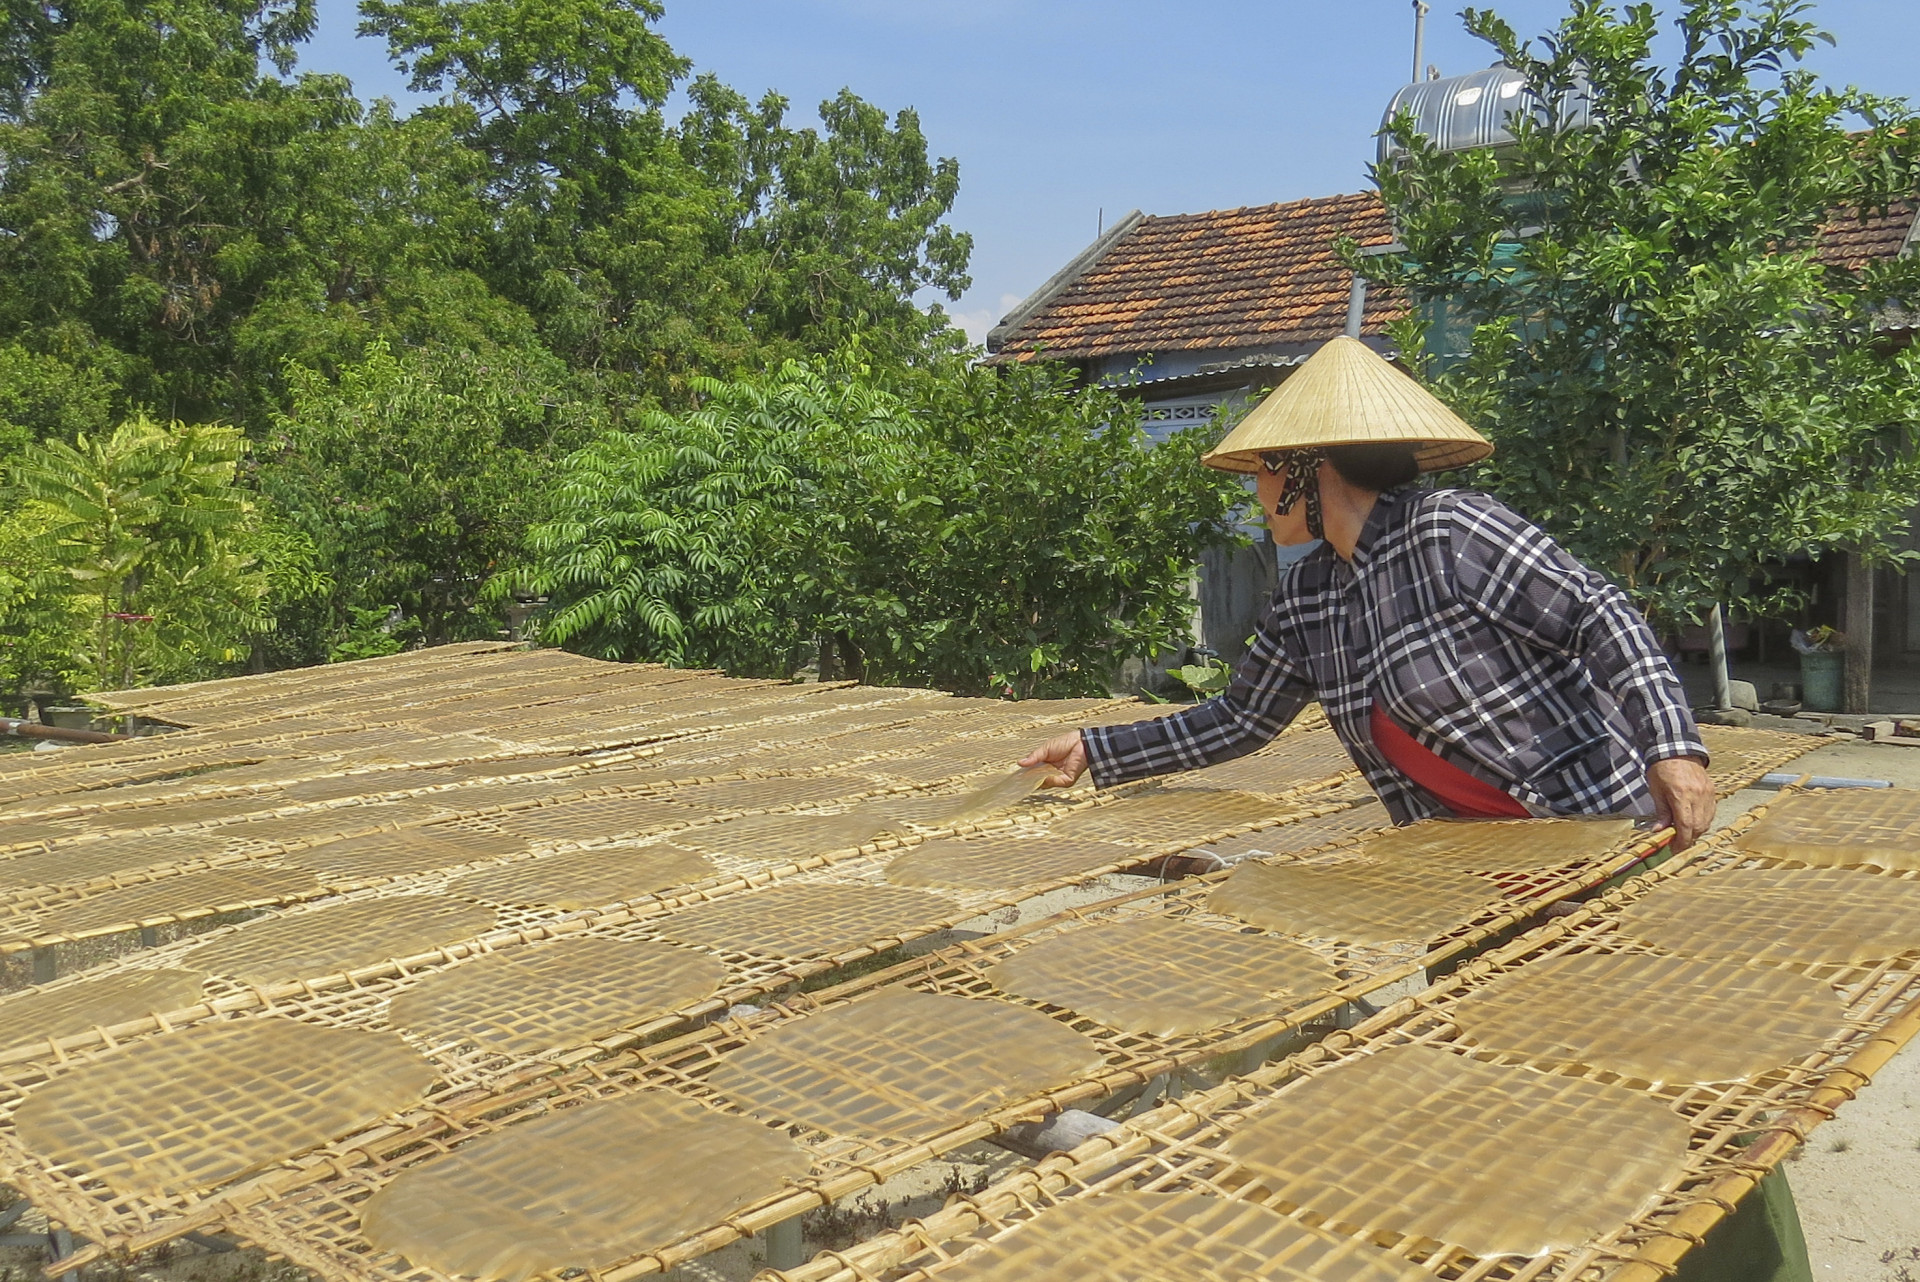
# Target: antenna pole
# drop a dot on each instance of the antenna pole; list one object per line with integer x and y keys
{"x": 1420, "y": 8}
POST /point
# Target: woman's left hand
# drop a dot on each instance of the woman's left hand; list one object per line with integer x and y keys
{"x": 1683, "y": 797}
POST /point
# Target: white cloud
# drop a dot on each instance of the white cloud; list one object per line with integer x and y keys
{"x": 981, "y": 319}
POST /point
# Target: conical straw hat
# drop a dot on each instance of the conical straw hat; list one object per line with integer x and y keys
{"x": 1346, "y": 394}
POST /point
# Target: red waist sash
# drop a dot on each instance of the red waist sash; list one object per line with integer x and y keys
{"x": 1466, "y": 796}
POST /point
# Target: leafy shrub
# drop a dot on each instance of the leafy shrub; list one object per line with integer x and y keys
{"x": 982, "y": 530}
{"x": 415, "y": 474}
{"x": 135, "y": 556}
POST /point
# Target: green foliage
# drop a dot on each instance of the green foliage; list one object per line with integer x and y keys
{"x": 1204, "y": 679}
{"x": 415, "y": 474}
{"x": 1682, "y": 388}
{"x": 44, "y": 624}
{"x": 653, "y": 252}
{"x": 43, "y": 396}
{"x": 1051, "y": 539}
{"x": 374, "y": 631}
{"x": 145, "y": 531}
{"x": 178, "y": 217}
{"x": 147, "y": 167}
{"x": 983, "y": 531}
{"x": 415, "y": 319}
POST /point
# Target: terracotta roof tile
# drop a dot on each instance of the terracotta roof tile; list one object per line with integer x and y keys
{"x": 1261, "y": 276}
{"x": 1266, "y": 276}
{"x": 1852, "y": 240}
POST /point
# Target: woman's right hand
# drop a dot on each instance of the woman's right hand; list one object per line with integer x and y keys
{"x": 1065, "y": 753}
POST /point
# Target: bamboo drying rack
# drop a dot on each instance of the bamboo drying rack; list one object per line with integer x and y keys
{"x": 329, "y": 825}
{"x": 307, "y": 1210}
{"x": 497, "y": 1083}
{"x": 1739, "y": 1131}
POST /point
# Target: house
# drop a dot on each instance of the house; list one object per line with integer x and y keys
{"x": 1192, "y": 312}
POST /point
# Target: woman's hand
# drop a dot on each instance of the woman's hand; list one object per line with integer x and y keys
{"x": 1683, "y": 797}
{"x": 1065, "y": 753}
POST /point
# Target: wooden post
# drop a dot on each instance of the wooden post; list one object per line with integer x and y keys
{"x": 1858, "y": 689}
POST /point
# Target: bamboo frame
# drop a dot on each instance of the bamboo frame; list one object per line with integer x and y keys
{"x": 1740, "y": 1131}
{"x": 29, "y": 903}
{"x": 305, "y": 1209}
{"x": 485, "y": 1092}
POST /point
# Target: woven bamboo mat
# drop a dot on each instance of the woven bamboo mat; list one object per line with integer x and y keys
{"x": 199, "y": 1107}
{"x": 365, "y": 1003}
{"x": 185, "y": 898}
{"x": 557, "y": 994}
{"x": 584, "y": 804}
{"x": 1735, "y": 1130}
{"x": 1165, "y": 977}
{"x": 748, "y": 875}
{"x": 319, "y": 770}
{"x": 1145, "y": 1237}
{"x": 357, "y": 1000}
{"x": 40, "y": 915}
{"x": 1004, "y": 860}
{"x": 1740, "y": 756}
{"x": 1355, "y": 1148}
{"x": 42, "y": 1013}
{"x": 237, "y": 837}
{"x": 328, "y": 940}
{"x": 330, "y": 674}
{"x": 1843, "y": 828}
{"x": 559, "y": 1189}
{"x": 1640, "y": 1015}
{"x": 317, "y": 1225}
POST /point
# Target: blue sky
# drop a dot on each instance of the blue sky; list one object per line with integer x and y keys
{"x": 1058, "y": 110}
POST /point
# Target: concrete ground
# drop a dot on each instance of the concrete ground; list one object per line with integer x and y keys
{"x": 1857, "y": 1181}
{"x": 1896, "y": 686}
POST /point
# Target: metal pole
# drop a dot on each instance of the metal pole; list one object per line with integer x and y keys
{"x": 1717, "y": 657}
{"x": 34, "y": 730}
{"x": 1420, "y": 8}
{"x": 785, "y": 1246}
{"x": 1356, "y": 305}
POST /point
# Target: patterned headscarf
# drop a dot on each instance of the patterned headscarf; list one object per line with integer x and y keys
{"x": 1302, "y": 468}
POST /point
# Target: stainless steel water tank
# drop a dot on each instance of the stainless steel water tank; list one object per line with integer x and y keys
{"x": 1464, "y": 112}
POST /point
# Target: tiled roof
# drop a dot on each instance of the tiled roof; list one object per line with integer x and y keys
{"x": 1262, "y": 276}
{"x": 1852, "y": 240}
{"x": 1266, "y": 276}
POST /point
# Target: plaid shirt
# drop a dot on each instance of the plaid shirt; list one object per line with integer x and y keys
{"x": 1474, "y": 631}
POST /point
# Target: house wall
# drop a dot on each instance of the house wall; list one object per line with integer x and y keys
{"x": 1234, "y": 584}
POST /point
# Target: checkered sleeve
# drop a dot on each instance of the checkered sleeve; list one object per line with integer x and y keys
{"x": 1515, "y": 576}
{"x": 1268, "y": 690}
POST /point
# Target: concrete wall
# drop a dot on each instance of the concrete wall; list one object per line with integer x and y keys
{"x": 1235, "y": 585}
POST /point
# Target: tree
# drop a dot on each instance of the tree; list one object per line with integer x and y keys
{"x": 145, "y": 527}
{"x": 1681, "y": 387}
{"x": 1051, "y": 539}
{"x": 42, "y": 396}
{"x": 985, "y": 531}
{"x": 655, "y": 253}
{"x": 144, "y": 174}
{"x": 415, "y": 474}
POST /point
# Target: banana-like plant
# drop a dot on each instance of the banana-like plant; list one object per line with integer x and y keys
{"x": 146, "y": 525}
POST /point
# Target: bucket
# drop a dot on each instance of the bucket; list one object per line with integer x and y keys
{"x": 1820, "y": 680}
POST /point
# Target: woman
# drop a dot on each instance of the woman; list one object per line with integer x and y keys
{"x": 1469, "y": 665}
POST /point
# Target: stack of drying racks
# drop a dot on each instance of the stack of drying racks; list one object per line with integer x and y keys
{"x": 874, "y": 818}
